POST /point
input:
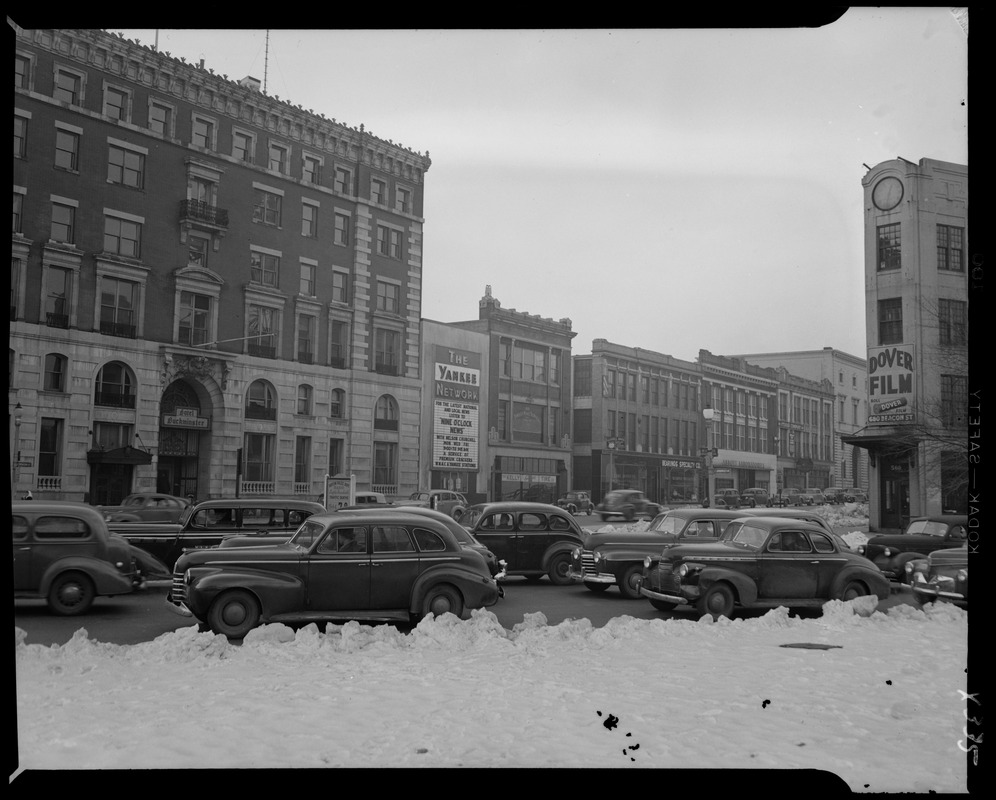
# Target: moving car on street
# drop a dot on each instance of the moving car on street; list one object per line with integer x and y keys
{"x": 943, "y": 575}
{"x": 209, "y": 522}
{"x": 923, "y": 535}
{"x": 366, "y": 565}
{"x": 64, "y": 553}
{"x": 628, "y": 504}
{"x": 533, "y": 539}
{"x": 615, "y": 557}
{"x": 760, "y": 562}
{"x": 452, "y": 503}
{"x": 146, "y": 507}
{"x": 576, "y": 502}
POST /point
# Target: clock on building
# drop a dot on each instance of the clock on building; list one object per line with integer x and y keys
{"x": 887, "y": 193}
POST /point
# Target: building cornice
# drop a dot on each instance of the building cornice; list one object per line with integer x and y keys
{"x": 217, "y": 94}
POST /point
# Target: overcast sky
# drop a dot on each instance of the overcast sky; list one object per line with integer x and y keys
{"x": 664, "y": 189}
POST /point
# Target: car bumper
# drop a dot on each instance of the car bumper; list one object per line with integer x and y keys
{"x": 585, "y": 577}
{"x": 925, "y": 593}
{"x": 667, "y": 597}
{"x": 178, "y": 608}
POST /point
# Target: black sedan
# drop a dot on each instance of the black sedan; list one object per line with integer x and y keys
{"x": 762, "y": 562}
{"x": 366, "y": 565}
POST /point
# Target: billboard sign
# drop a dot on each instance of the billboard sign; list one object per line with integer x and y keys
{"x": 891, "y": 385}
{"x": 456, "y": 428}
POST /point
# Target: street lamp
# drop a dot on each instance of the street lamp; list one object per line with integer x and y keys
{"x": 18, "y": 413}
{"x": 709, "y": 414}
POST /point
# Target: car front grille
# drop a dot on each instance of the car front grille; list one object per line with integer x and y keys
{"x": 588, "y": 562}
{"x": 178, "y": 592}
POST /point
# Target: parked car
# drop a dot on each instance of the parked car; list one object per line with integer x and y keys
{"x": 146, "y": 507}
{"x": 211, "y": 521}
{"x": 371, "y": 565}
{"x": 755, "y": 497}
{"x": 923, "y": 535}
{"x": 789, "y": 496}
{"x": 615, "y": 558}
{"x": 628, "y": 504}
{"x": 64, "y": 553}
{"x": 576, "y": 502}
{"x": 533, "y": 539}
{"x": 943, "y": 575}
{"x": 760, "y": 562}
{"x": 813, "y": 497}
{"x": 464, "y": 536}
{"x": 724, "y": 498}
{"x": 855, "y": 495}
{"x": 834, "y": 494}
{"x": 452, "y": 503}
{"x": 371, "y": 498}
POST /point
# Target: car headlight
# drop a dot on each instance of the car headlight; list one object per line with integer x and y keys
{"x": 576, "y": 553}
{"x": 860, "y": 550}
{"x": 962, "y": 574}
{"x": 647, "y": 561}
{"x": 682, "y": 570}
{"x": 887, "y": 552}
{"x": 598, "y": 556}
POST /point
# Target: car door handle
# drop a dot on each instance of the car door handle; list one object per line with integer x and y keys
{"x": 814, "y": 562}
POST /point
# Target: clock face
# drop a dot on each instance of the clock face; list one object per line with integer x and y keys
{"x": 887, "y": 193}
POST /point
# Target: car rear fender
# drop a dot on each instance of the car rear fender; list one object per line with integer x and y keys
{"x": 744, "y": 588}
{"x": 106, "y": 578}
{"x": 876, "y": 582}
{"x": 456, "y": 574}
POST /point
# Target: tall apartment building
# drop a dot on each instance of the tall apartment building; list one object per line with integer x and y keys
{"x": 916, "y": 312}
{"x": 836, "y": 463}
{"x": 213, "y": 291}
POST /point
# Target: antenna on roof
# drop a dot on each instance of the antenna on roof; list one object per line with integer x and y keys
{"x": 266, "y": 60}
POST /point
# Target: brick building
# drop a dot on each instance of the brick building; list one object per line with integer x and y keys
{"x": 213, "y": 291}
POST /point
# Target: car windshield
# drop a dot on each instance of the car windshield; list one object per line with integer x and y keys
{"x": 419, "y": 496}
{"x": 744, "y": 534}
{"x": 306, "y": 535}
{"x": 471, "y": 516}
{"x": 926, "y": 527}
{"x": 665, "y": 523}
{"x": 132, "y": 501}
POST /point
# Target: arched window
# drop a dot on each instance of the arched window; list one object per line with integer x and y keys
{"x": 337, "y": 406}
{"x": 115, "y": 386}
{"x": 386, "y": 413}
{"x": 261, "y": 401}
{"x": 304, "y": 396}
{"x": 55, "y": 372}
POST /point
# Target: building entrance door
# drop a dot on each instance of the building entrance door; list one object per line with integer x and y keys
{"x": 895, "y": 494}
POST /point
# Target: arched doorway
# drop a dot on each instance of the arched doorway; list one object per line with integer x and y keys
{"x": 182, "y": 431}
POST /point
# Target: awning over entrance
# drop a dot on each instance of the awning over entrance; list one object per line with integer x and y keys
{"x": 877, "y": 438}
{"x": 119, "y": 455}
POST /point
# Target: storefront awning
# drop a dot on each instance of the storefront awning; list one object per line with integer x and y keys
{"x": 119, "y": 455}
{"x": 878, "y": 438}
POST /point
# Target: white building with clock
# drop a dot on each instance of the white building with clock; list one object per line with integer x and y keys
{"x": 917, "y": 280}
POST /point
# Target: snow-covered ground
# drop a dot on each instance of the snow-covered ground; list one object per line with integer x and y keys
{"x": 876, "y": 699}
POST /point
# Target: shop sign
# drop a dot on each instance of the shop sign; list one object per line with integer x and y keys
{"x": 457, "y": 374}
{"x": 185, "y": 418}
{"x": 680, "y": 463}
{"x": 891, "y": 384}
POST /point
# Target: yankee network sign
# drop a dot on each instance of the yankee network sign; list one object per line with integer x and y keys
{"x": 456, "y": 408}
{"x": 891, "y": 384}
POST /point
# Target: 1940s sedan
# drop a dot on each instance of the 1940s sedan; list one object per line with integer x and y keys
{"x": 760, "y": 562}
{"x": 366, "y": 565}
